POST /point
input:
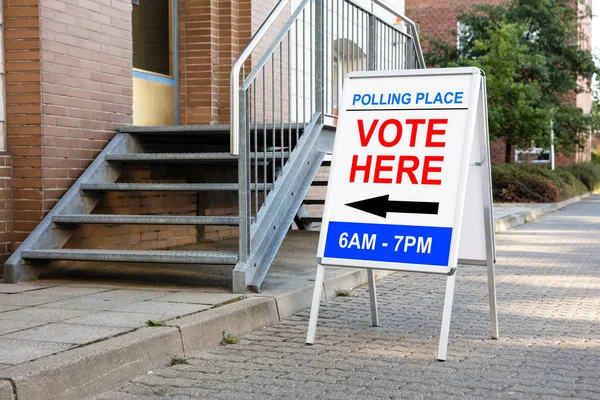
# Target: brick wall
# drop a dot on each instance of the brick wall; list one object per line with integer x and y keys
{"x": 437, "y": 18}
{"x": 5, "y": 161}
{"x": 212, "y": 34}
{"x": 24, "y": 135}
{"x": 86, "y": 78}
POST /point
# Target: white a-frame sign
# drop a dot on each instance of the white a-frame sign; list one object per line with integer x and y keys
{"x": 410, "y": 185}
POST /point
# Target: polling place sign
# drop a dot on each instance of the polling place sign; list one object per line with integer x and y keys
{"x": 399, "y": 167}
{"x": 410, "y": 185}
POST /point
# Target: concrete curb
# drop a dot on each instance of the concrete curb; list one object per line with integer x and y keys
{"x": 6, "y": 391}
{"x": 510, "y": 221}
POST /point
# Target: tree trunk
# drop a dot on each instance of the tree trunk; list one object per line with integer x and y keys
{"x": 508, "y": 155}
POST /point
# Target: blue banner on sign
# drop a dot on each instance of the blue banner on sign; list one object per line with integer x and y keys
{"x": 407, "y": 244}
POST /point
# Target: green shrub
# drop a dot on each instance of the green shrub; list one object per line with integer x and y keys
{"x": 529, "y": 183}
{"x": 596, "y": 158}
{"x": 588, "y": 173}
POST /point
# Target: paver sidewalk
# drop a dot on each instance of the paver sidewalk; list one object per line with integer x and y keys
{"x": 548, "y": 275}
{"x": 56, "y": 330}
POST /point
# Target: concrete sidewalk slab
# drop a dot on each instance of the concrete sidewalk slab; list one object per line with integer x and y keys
{"x": 196, "y": 319}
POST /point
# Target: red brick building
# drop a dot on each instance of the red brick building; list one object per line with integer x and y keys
{"x": 439, "y": 19}
{"x": 74, "y": 71}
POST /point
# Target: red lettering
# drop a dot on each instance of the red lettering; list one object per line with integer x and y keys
{"x": 398, "y": 136}
{"x": 431, "y": 131}
{"x": 364, "y": 168}
{"x": 413, "y": 133}
{"x": 410, "y": 171}
{"x": 364, "y": 140}
{"x": 382, "y": 168}
{"x": 427, "y": 169}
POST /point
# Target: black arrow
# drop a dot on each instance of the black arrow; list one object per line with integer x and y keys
{"x": 382, "y": 205}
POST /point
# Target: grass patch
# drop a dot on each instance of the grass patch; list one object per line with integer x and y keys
{"x": 178, "y": 360}
{"x": 155, "y": 323}
{"x": 346, "y": 293}
{"x": 229, "y": 338}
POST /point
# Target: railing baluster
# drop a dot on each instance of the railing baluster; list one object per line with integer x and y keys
{"x": 340, "y": 31}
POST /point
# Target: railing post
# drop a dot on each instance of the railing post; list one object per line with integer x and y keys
{"x": 372, "y": 43}
{"x": 409, "y": 60}
{"x": 244, "y": 176}
{"x": 319, "y": 49}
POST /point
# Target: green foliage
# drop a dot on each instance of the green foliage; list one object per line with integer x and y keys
{"x": 346, "y": 293}
{"x": 178, "y": 360}
{"x": 595, "y": 158}
{"x": 589, "y": 174}
{"x": 229, "y": 338}
{"x": 529, "y": 50}
{"x": 155, "y": 323}
{"x": 522, "y": 183}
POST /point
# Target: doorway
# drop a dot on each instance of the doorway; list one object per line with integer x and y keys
{"x": 155, "y": 62}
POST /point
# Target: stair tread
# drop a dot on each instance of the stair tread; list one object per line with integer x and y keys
{"x": 151, "y": 256}
{"x": 311, "y": 219}
{"x": 213, "y": 156}
{"x": 313, "y": 201}
{"x": 182, "y": 187}
{"x": 145, "y": 219}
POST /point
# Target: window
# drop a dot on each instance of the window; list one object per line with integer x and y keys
{"x": 152, "y": 36}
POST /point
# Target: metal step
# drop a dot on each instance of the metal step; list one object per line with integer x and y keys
{"x": 191, "y": 157}
{"x": 167, "y": 187}
{"x": 319, "y": 183}
{"x": 310, "y": 220}
{"x": 144, "y": 256}
{"x": 78, "y": 219}
{"x": 312, "y": 202}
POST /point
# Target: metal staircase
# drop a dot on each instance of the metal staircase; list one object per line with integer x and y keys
{"x": 284, "y": 91}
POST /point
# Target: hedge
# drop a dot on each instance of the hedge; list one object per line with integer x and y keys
{"x": 523, "y": 183}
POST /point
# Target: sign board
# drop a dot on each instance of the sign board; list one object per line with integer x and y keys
{"x": 410, "y": 186}
{"x": 397, "y": 184}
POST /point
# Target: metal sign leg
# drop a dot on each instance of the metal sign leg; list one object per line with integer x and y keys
{"x": 314, "y": 308}
{"x": 446, "y": 314}
{"x": 373, "y": 297}
{"x": 492, "y": 299}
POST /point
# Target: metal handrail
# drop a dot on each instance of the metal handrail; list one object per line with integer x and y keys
{"x": 237, "y": 67}
{"x": 413, "y": 28}
{"x": 259, "y": 36}
{"x": 297, "y": 75}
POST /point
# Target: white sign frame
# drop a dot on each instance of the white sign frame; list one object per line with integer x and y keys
{"x": 476, "y": 144}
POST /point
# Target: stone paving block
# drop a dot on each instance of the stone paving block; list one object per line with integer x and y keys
{"x": 112, "y": 318}
{"x": 163, "y": 311}
{"x": 47, "y": 295}
{"x": 107, "y": 301}
{"x": 9, "y": 308}
{"x": 30, "y": 317}
{"x": 11, "y": 288}
{"x": 15, "y": 351}
{"x": 65, "y": 333}
{"x": 6, "y": 390}
{"x": 19, "y": 287}
{"x": 198, "y": 298}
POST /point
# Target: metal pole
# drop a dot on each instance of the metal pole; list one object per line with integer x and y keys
{"x": 446, "y": 314}
{"x": 314, "y": 308}
{"x": 552, "y": 145}
{"x": 243, "y": 178}
{"x": 318, "y": 48}
{"x": 373, "y": 297}
{"x": 372, "y": 46}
